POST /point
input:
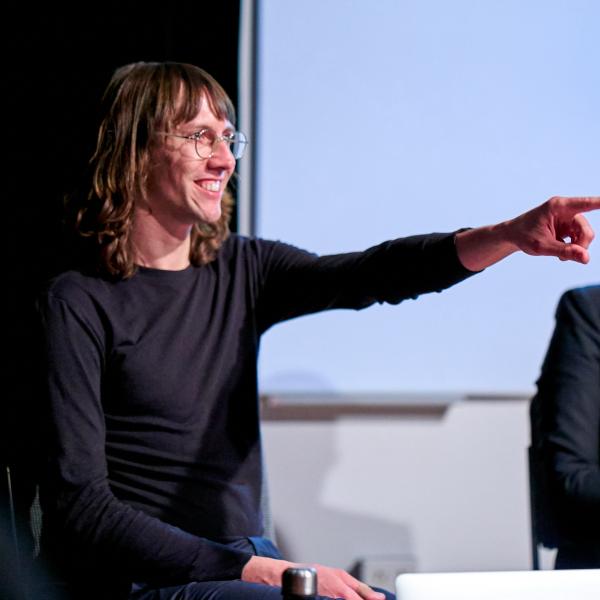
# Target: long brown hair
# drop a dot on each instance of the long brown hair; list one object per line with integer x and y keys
{"x": 140, "y": 100}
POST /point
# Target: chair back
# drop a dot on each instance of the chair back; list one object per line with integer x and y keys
{"x": 20, "y": 530}
{"x": 541, "y": 498}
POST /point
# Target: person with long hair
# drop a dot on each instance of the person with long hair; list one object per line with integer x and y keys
{"x": 153, "y": 473}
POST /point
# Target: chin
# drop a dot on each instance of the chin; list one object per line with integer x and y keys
{"x": 211, "y": 217}
{"x": 208, "y": 212}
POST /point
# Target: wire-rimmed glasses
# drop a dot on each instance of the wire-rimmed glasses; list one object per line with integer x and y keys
{"x": 206, "y": 140}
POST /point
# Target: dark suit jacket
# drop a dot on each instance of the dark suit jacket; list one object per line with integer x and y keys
{"x": 566, "y": 422}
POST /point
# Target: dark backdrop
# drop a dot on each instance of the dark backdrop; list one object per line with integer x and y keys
{"x": 59, "y": 61}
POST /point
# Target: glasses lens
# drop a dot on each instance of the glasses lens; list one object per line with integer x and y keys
{"x": 238, "y": 144}
{"x": 205, "y": 141}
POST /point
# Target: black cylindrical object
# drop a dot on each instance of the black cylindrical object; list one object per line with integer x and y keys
{"x": 299, "y": 583}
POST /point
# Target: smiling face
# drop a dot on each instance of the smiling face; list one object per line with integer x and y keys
{"x": 183, "y": 189}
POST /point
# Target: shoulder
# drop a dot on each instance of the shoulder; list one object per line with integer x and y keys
{"x": 582, "y": 302}
{"x": 71, "y": 285}
{"x": 237, "y": 243}
{"x": 258, "y": 250}
{"x": 80, "y": 293}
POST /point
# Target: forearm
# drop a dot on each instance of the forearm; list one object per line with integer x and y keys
{"x": 260, "y": 569}
{"x": 97, "y": 529}
{"x": 92, "y": 526}
{"x": 481, "y": 247}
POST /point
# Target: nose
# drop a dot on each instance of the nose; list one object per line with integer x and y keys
{"x": 221, "y": 155}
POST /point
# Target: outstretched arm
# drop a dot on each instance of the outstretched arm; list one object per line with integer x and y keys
{"x": 555, "y": 228}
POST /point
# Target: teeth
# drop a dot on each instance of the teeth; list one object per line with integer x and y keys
{"x": 211, "y": 186}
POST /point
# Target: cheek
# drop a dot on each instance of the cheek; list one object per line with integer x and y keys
{"x": 167, "y": 175}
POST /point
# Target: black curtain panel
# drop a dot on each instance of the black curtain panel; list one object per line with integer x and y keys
{"x": 57, "y": 63}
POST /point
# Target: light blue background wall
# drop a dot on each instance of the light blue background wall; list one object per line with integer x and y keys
{"x": 382, "y": 118}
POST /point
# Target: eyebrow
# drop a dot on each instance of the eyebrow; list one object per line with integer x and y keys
{"x": 200, "y": 126}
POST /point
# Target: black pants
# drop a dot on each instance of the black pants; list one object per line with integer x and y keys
{"x": 578, "y": 556}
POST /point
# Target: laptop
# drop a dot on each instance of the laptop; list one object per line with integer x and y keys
{"x": 580, "y": 584}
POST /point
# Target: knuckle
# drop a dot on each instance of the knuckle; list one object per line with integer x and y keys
{"x": 535, "y": 245}
{"x": 556, "y": 202}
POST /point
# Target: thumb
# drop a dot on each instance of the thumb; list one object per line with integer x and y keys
{"x": 366, "y": 592}
{"x": 569, "y": 251}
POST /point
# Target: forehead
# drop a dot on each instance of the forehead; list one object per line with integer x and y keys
{"x": 203, "y": 114}
{"x": 207, "y": 118}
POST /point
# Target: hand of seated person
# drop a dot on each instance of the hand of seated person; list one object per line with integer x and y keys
{"x": 335, "y": 583}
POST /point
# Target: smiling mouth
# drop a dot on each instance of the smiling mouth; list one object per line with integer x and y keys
{"x": 211, "y": 186}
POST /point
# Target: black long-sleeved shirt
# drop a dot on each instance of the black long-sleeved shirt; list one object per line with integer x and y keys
{"x": 154, "y": 453}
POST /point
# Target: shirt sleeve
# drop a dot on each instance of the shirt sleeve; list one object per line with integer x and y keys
{"x": 81, "y": 514}
{"x": 296, "y": 282}
{"x": 569, "y": 398}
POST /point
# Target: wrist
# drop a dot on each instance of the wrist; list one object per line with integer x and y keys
{"x": 504, "y": 235}
{"x": 260, "y": 569}
{"x": 483, "y": 246}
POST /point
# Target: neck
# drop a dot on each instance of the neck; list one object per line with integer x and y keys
{"x": 157, "y": 247}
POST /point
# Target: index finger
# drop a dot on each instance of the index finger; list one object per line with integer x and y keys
{"x": 577, "y": 204}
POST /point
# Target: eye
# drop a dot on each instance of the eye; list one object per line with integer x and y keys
{"x": 204, "y": 136}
